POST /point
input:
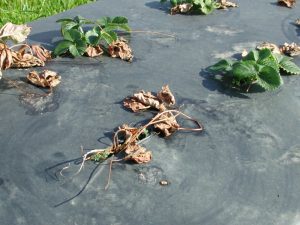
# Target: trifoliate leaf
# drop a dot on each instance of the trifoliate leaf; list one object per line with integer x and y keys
{"x": 244, "y": 70}
{"x": 289, "y": 67}
{"x": 269, "y": 78}
{"x": 16, "y": 33}
{"x": 62, "y": 47}
{"x": 266, "y": 58}
{"x": 72, "y": 35}
{"x": 223, "y": 65}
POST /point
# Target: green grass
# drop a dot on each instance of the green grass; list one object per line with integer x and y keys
{"x": 24, "y": 11}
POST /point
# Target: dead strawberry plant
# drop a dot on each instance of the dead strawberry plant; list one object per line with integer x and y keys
{"x": 80, "y": 39}
{"x": 198, "y": 6}
{"x": 126, "y": 143}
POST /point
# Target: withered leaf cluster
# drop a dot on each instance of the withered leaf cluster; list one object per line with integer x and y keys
{"x": 120, "y": 49}
{"x": 287, "y": 3}
{"x": 162, "y": 101}
{"x": 274, "y": 48}
{"x": 290, "y": 49}
{"x": 224, "y": 4}
{"x": 45, "y": 79}
{"x": 146, "y": 100}
{"x": 16, "y": 33}
{"x": 181, "y": 8}
{"x": 6, "y": 58}
{"x": 92, "y": 51}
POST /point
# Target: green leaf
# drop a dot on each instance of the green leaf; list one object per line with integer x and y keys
{"x": 82, "y": 20}
{"x": 289, "y": 67}
{"x": 103, "y": 21}
{"x": 81, "y": 46}
{"x": 113, "y": 26}
{"x": 72, "y": 35}
{"x": 244, "y": 70}
{"x": 107, "y": 37}
{"x": 252, "y": 55}
{"x": 269, "y": 78}
{"x": 120, "y": 20}
{"x": 69, "y": 25}
{"x": 266, "y": 58}
{"x": 92, "y": 37}
{"x": 73, "y": 50}
{"x": 223, "y": 65}
{"x": 62, "y": 47}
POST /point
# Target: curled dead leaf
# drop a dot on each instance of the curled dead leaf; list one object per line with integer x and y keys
{"x": 92, "y": 51}
{"x": 41, "y": 52}
{"x": 5, "y": 57}
{"x": 290, "y": 49}
{"x": 46, "y": 79}
{"x": 141, "y": 101}
{"x": 297, "y": 21}
{"x": 181, "y": 8}
{"x": 287, "y": 3}
{"x": 274, "y": 48}
{"x": 224, "y": 4}
{"x": 166, "y": 96}
{"x": 22, "y": 59}
{"x": 16, "y": 33}
{"x": 167, "y": 125}
{"x": 120, "y": 49}
{"x": 139, "y": 154}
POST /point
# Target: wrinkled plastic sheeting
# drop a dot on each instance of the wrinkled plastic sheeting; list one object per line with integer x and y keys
{"x": 243, "y": 170}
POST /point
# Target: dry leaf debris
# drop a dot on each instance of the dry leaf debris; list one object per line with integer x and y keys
{"x": 6, "y": 58}
{"x": 274, "y": 48}
{"x": 92, "y": 51}
{"x": 224, "y": 4}
{"x": 297, "y": 21}
{"x": 120, "y": 49}
{"x": 290, "y": 49}
{"x": 41, "y": 52}
{"x": 24, "y": 59}
{"x": 16, "y": 33}
{"x": 181, "y": 8}
{"x": 45, "y": 79}
{"x": 287, "y": 3}
{"x": 144, "y": 100}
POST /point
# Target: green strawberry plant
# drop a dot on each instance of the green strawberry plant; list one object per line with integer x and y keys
{"x": 77, "y": 38}
{"x": 197, "y": 6}
{"x": 261, "y": 67}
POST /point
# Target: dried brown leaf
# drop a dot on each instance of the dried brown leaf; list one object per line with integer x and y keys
{"x": 166, "y": 96}
{"x": 120, "y": 49}
{"x": 5, "y": 57}
{"x": 141, "y": 101}
{"x": 290, "y": 49}
{"x": 168, "y": 124}
{"x": 287, "y": 3}
{"x": 41, "y": 52}
{"x": 22, "y": 59}
{"x": 181, "y": 8}
{"x": 224, "y": 4}
{"x": 139, "y": 154}
{"x": 93, "y": 51}
{"x": 274, "y": 48}
{"x": 16, "y": 33}
{"x": 46, "y": 78}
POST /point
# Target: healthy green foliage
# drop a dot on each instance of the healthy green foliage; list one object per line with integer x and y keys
{"x": 77, "y": 37}
{"x": 198, "y": 6}
{"x": 261, "y": 67}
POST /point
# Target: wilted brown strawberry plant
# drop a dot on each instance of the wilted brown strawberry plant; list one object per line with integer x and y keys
{"x": 101, "y": 38}
{"x": 126, "y": 144}
{"x": 25, "y": 56}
